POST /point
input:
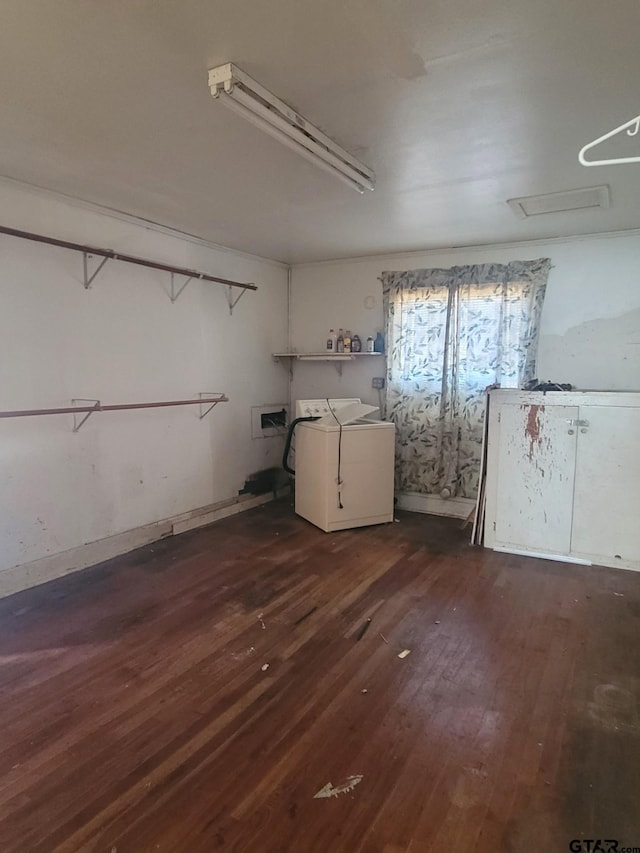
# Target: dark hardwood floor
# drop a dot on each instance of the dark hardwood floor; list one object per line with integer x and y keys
{"x": 138, "y": 713}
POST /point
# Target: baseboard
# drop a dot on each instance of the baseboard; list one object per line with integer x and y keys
{"x": 435, "y": 505}
{"x": 542, "y": 555}
{"x": 215, "y": 512}
{"x": 55, "y": 566}
{"x": 577, "y": 559}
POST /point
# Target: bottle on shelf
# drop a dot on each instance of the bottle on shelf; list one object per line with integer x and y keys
{"x": 340, "y": 341}
{"x": 378, "y": 344}
{"x": 369, "y": 344}
{"x": 347, "y": 341}
{"x": 356, "y": 344}
{"x": 332, "y": 341}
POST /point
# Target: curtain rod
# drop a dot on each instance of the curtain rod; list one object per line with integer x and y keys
{"x": 118, "y": 256}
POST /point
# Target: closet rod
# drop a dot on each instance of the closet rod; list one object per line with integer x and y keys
{"x": 118, "y": 256}
{"x": 98, "y": 407}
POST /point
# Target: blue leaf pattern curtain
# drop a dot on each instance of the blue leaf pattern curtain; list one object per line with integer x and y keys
{"x": 450, "y": 333}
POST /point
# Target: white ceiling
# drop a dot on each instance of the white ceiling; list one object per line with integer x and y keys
{"x": 457, "y": 105}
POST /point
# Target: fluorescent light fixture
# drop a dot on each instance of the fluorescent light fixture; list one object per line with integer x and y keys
{"x": 255, "y": 103}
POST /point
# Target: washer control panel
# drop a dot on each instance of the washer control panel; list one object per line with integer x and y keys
{"x": 320, "y": 408}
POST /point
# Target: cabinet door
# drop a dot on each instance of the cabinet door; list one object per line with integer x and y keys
{"x": 606, "y": 513}
{"x": 536, "y": 466}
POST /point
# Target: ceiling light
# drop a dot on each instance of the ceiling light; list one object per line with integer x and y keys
{"x": 581, "y": 199}
{"x": 255, "y": 103}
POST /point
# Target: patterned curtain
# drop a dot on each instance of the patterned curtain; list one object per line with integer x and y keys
{"x": 450, "y": 334}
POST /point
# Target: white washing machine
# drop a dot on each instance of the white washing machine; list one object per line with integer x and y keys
{"x": 344, "y": 465}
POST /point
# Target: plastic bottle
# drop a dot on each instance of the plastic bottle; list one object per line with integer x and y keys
{"x": 332, "y": 341}
{"x": 378, "y": 344}
{"x": 347, "y": 341}
{"x": 369, "y": 344}
{"x": 356, "y": 344}
{"x": 340, "y": 341}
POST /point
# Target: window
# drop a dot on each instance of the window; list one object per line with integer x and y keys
{"x": 450, "y": 334}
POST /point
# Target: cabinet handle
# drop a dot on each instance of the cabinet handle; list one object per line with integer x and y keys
{"x": 577, "y": 422}
{"x": 571, "y": 431}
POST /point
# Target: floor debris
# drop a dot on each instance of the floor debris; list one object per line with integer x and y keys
{"x": 404, "y": 653}
{"x": 620, "y": 594}
{"x": 437, "y": 622}
{"x": 242, "y": 655}
{"x": 383, "y": 638}
{"x": 343, "y": 788}
{"x": 364, "y": 690}
{"x": 364, "y": 629}
{"x": 264, "y": 667}
{"x": 261, "y": 621}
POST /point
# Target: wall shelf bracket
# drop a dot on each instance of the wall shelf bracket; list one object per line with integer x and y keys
{"x": 87, "y": 414}
{"x": 176, "y": 293}
{"x": 286, "y": 361}
{"x": 88, "y": 278}
{"x": 231, "y": 301}
{"x": 206, "y": 396}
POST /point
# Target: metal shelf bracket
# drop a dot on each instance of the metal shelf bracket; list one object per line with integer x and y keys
{"x": 207, "y": 396}
{"x": 78, "y": 423}
{"x": 287, "y": 363}
{"x": 88, "y": 279}
{"x": 231, "y": 301}
{"x": 175, "y": 293}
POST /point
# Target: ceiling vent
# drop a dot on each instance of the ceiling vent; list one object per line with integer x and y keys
{"x": 582, "y": 199}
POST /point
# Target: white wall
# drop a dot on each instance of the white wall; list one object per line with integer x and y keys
{"x": 124, "y": 341}
{"x": 590, "y": 333}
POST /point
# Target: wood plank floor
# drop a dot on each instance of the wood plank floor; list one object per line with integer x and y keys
{"x": 138, "y": 713}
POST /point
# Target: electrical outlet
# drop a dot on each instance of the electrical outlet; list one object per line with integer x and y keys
{"x": 377, "y": 382}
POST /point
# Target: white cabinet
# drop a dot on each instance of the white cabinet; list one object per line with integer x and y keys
{"x": 606, "y": 504}
{"x": 563, "y": 476}
{"x": 535, "y": 465}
